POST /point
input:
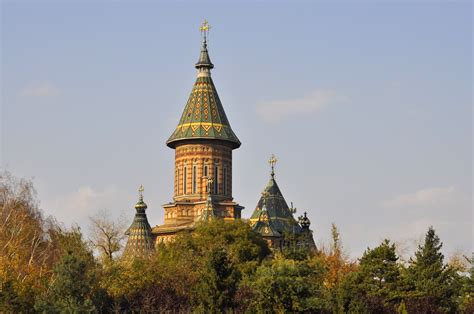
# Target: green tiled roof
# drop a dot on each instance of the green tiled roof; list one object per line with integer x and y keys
{"x": 264, "y": 225}
{"x": 204, "y": 116}
{"x": 279, "y": 214}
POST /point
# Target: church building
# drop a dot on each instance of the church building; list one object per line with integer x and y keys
{"x": 203, "y": 142}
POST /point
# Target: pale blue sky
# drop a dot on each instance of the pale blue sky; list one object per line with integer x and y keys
{"x": 367, "y": 106}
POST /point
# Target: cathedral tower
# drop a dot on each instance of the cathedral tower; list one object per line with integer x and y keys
{"x": 203, "y": 142}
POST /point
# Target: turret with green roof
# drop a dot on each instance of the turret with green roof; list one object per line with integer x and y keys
{"x": 140, "y": 239}
{"x": 279, "y": 213}
{"x": 274, "y": 220}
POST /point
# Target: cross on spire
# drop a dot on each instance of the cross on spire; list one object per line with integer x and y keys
{"x": 204, "y": 28}
{"x": 272, "y": 163}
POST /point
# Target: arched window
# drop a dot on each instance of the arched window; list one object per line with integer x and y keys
{"x": 184, "y": 179}
{"x": 216, "y": 178}
{"x": 194, "y": 179}
{"x": 205, "y": 172}
{"x": 177, "y": 182}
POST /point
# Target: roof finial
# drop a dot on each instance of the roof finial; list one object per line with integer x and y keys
{"x": 140, "y": 205}
{"x": 272, "y": 163}
{"x": 141, "y": 189}
{"x": 304, "y": 221}
{"x": 204, "y": 63}
{"x": 204, "y": 28}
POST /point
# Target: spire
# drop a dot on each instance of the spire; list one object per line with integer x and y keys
{"x": 272, "y": 163}
{"x": 204, "y": 117}
{"x": 140, "y": 239}
{"x": 204, "y": 63}
{"x": 208, "y": 212}
{"x": 140, "y": 206}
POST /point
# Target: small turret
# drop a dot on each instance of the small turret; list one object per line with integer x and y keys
{"x": 140, "y": 239}
{"x": 306, "y": 239}
{"x": 278, "y": 211}
{"x": 304, "y": 221}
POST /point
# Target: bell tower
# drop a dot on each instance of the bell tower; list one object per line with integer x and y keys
{"x": 203, "y": 142}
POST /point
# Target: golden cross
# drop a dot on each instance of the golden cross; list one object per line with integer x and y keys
{"x": 272, "y": 163}
{"x": 205, "y": 27}
{"x": 141, "y": 189}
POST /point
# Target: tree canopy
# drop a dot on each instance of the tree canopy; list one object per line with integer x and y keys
{"x": 219, "y": 267}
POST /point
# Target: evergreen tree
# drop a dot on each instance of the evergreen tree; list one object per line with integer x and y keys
{"x": 467, "y": 291}
{"x": 70, "y": 288}
{"x": 283, "y": 285}
{"x": 217, "y": 286}
{"x": 432, "y": 285}
{"x": 374, "y": 286}
{"x": 296, "y": 248}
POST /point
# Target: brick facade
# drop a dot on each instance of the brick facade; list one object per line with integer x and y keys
{"x": 192, "y": 162}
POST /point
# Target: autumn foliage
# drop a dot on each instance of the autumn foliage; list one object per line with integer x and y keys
{"x": 220, "y": 267}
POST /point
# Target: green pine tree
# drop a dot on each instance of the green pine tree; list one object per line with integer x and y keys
{"x": 218, "y": 283}
{"x": 283, "y": 285}
{"x": 374, "y": 286}
{"x": 432, "y": 285}
{"x": 467, "y": 290}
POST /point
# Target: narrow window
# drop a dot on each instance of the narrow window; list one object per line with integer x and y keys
{"x": 194, "y": 179}
{"x": 225, "y": 181}
{"x": 205, "y": 175}
{"x": 184, "y": 180}
{"x": 177, "y": 182}
{"x": 216, "y": 177}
